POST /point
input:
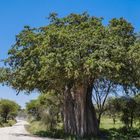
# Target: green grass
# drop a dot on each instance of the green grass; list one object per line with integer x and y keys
{"x": 35, "y": 127}
{"x": 108, "y": 131}
{"x": 9, "y": 123}
{"x": 107, "y": 123}
{"x": 39, "y": 129}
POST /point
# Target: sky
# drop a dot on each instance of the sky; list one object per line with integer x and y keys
{"x": 15, "y": 14}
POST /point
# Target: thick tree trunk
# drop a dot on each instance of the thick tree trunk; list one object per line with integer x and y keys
{"x": 68, "y": 114}
{"x": 79, "y": 113}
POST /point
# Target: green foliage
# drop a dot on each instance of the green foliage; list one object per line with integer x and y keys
{"x": 33, "y": 109}
{"x": 113, "y": 108}
{"x": 55, "y": 133}
{"x": 8, "y": 109}
{"x": 113, "y": 134}
{"x": 51, "y": 110}
{"x": 128, "y": 111}
{"x": 137, "y": 112}
{"x": 11, "y": 122}
{"x": 39, "y": 129}
{"x": 75, "y": 48}
{"x": 108, "y": 131}
{"x": 47, "y": 109}
{"x": 102, "y": 88}
{"x": 127, "y": 108}
{"x": 121, "y": 134}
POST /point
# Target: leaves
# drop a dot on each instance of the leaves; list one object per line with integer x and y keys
{"x": 8, "y": 109}
{"x": 75, "y": 48}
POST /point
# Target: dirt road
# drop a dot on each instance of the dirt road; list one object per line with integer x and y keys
{"x": 17, "y": 132}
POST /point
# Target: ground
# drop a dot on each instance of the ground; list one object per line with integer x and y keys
{"x": 18, "y": 132}
{"x": 107, "y": 123}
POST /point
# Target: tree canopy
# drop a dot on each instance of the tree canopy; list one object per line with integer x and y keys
{"x": 67, "y": 56}
{"x": 8, "y": 109}
{"x": 74, "y": 48}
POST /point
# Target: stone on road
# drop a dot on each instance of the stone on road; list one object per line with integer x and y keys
{"x": 18, "y": 132}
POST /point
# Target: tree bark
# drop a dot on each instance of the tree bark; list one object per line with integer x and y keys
{"x": 68, "y": 114}
{"x": 79, "y": 113}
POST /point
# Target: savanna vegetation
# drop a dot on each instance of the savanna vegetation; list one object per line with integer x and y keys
{"x": 120, "y": 120}
{"x": 77, "y": 64}
{"x": 8, "y": 112}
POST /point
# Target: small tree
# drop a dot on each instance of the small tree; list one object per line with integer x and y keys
{"x": 113, "y": 108}
{"x": 8, "y": 109}
{"x": 32, "y": 109}
{"x": 47, "y": 109}
{"x": 101, "y": 90}
{"x": 50, "y": 109}
{"x": 125, "y": 107}
{"x": 128, "y": 107}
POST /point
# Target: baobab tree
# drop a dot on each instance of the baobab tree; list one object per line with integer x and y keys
{"x": 68, "y": 55}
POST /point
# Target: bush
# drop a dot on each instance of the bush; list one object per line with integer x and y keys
{"x": 38, "y": 129}
{"x": 121, "y": 134}
{"x": 55, "y": 133}
{"x": 11, "y": 122}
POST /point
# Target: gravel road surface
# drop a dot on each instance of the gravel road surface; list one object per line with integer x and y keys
{"x": 18, "y": 132}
